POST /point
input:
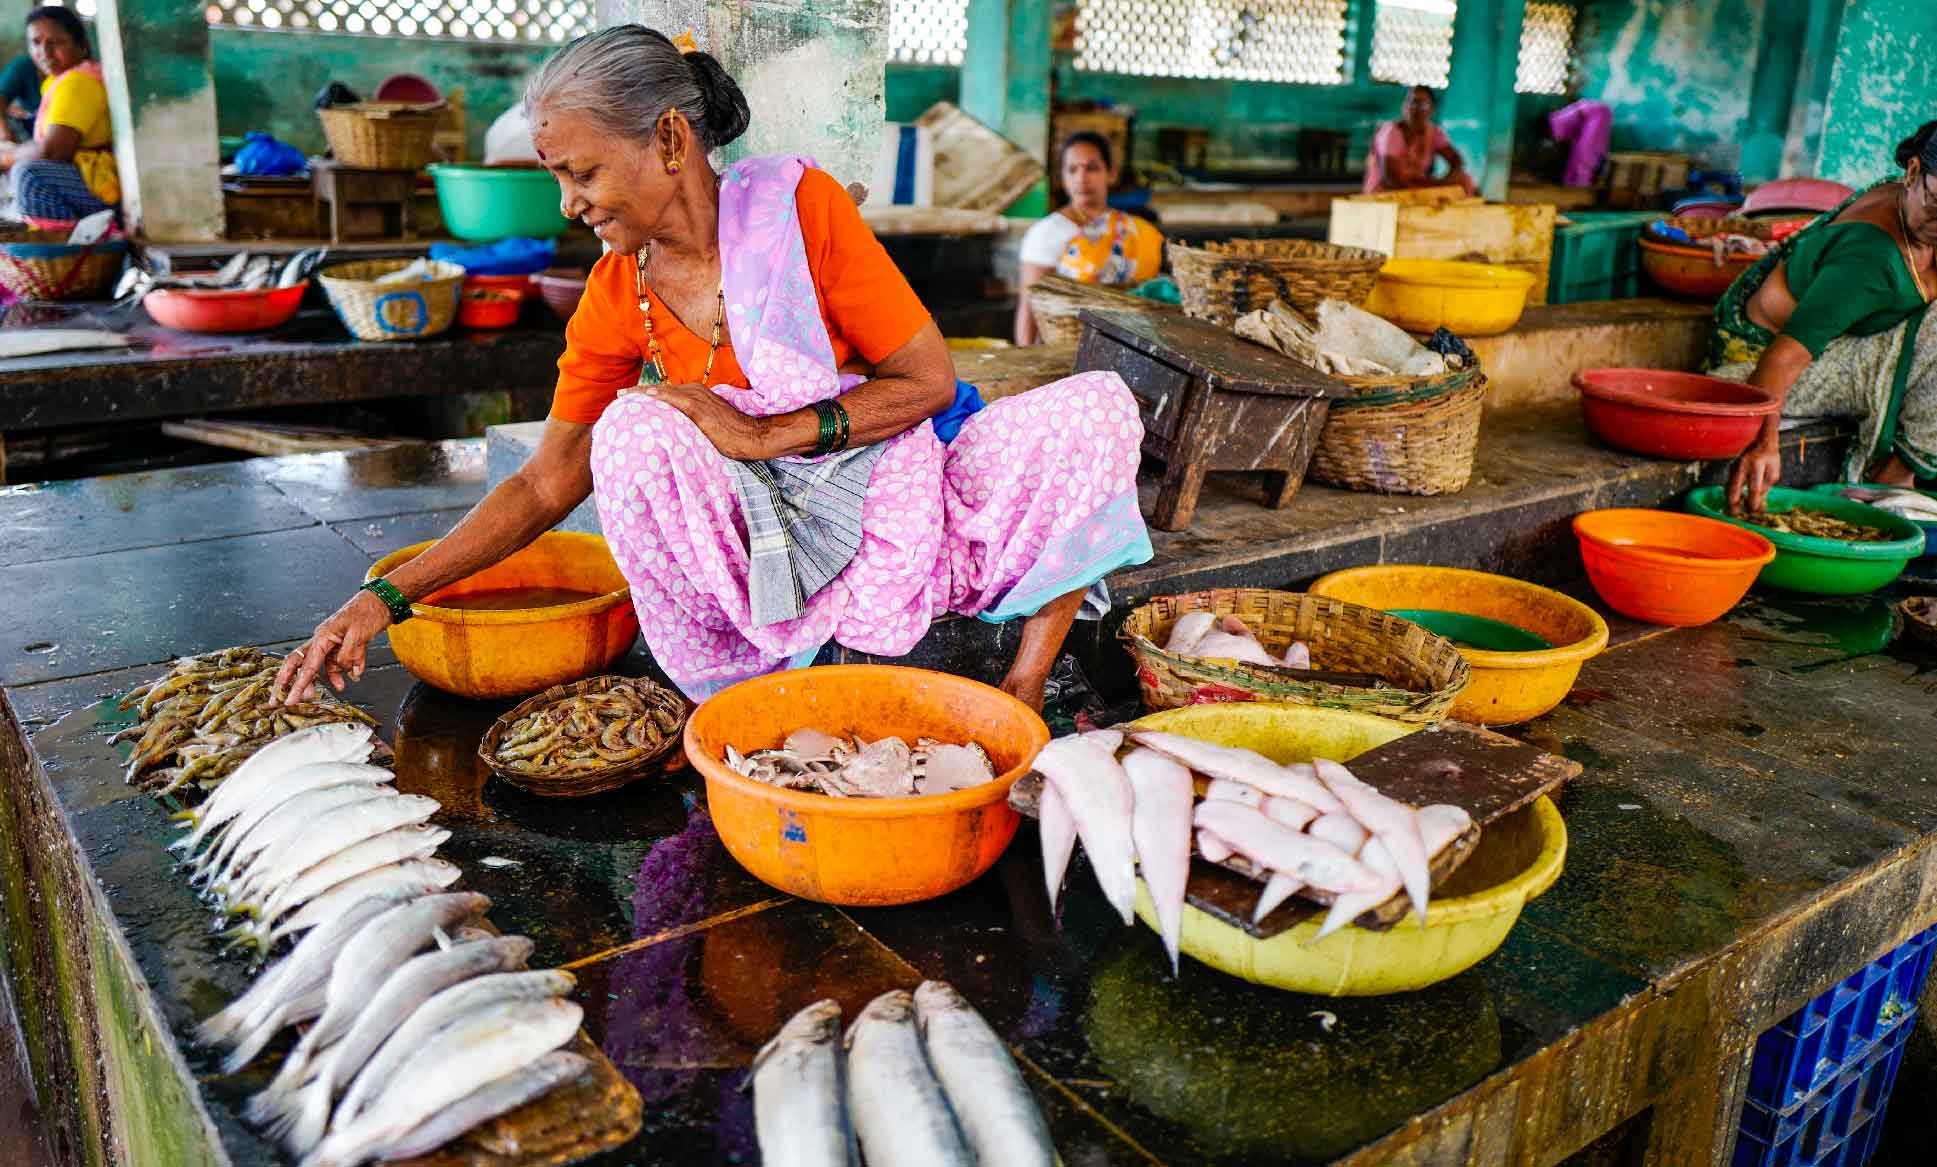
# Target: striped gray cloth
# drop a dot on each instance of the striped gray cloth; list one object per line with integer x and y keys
{"x": 803, "y": 526}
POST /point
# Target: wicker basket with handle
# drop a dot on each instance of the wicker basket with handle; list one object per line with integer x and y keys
{"x": 380, "y": 135}
{"x": 1426, "y": 670}
{"x": 1056, "y": 302}
{"x": 1416, "y": 445}
{"x": 394, "y": 311}
{"x": 1222, "y": 281}
{"x": 59, "y": 270}
{"x": 669, "y": 712}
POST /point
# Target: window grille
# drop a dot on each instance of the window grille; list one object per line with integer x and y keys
{"x": 1412, "y": 42}
{"x": 927, "y": 32}
{"x": 1299, "y": 41}
{"x": 1546, "y": 49}
{"x": 526, "y": 21}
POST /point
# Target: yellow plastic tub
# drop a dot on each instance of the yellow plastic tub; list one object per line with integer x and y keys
{"x": 1507, "y": 687}
{"x": 495, "y": 654}
{"x": 1471, "y": 299}
{"x": 1518, "y": 858}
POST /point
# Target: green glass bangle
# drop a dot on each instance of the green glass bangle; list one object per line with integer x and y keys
{"x": 840, "y": 412}
{"x": 829, "y": 428}
{"x": 392, "y": 599}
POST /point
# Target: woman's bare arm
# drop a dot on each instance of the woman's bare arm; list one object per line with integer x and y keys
{"x": 59, "y": 145}
{"x": 556, "y": 478}
{"x": 1026, "y": 331}
{"x": 1760, "y": 466}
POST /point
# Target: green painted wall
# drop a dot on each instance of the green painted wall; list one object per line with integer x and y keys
{"x": 1677, "y": 73}
{"x": 269, "y": 80}
{"x": 1882, "y": 86}
{"x": 913, "y": 88}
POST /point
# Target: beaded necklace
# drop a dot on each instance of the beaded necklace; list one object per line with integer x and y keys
{"x": 657, "y": 359}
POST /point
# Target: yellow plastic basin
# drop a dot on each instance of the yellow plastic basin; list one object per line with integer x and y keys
{"x": 489, "y": 655}
{"x": 1507, "y": 687}
{"x": 1518, "y": 857}
{"x": 1471, "y": 299}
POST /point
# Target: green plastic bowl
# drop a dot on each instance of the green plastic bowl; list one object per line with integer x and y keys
{"x": 483, "y": 204}
{"x": 1475, "y": 631}
{"x": 1824, "y": 567}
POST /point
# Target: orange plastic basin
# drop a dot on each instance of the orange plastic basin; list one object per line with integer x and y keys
{"x": 495, "y": 654}
{"x": 1691, "y": 272}
{"x": 1669, "y": 568}
{"x": 864, "y": 852}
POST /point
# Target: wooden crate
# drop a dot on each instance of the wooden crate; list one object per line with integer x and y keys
{"x": 976, "y": 169}
{"x": 1638, "y": 179}
{"x": 1432, "y": 226}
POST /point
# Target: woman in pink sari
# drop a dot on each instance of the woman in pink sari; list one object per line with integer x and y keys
{"x": 769, "y": 422}
{"x": 1403, "y": 150}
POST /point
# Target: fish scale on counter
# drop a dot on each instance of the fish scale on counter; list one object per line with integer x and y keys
{"x": 420, "y": 1025}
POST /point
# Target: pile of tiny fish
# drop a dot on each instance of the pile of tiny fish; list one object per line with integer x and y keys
{"x": 623, "y": 722}
{"x": 925, "y": 1083}
{"x": 420, "y": 1023}
{"x": 1204, "y": 636}
{"x": 843, "y": 767}
{"x": 1820, "y": 524}
{"x": 1310, "y": 827}
{"x": 208, "y": 713}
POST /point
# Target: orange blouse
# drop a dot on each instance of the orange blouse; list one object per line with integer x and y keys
{"x": 869, "y": 308}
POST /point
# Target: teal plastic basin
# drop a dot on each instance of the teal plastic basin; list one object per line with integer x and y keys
{"x": 483, "y": 204}
{"x": 1824, "y": 567}
{"x": 1475, "y": 631}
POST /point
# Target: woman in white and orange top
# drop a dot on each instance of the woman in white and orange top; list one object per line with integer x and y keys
{"x": 67, "y": 172}
{"x": 1087, "y": 240}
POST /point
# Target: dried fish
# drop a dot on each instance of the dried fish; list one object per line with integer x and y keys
{"x": 1819, "y": 524}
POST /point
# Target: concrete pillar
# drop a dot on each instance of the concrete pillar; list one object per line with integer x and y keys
{"x": 811, "y": 70}
{"x": 1879, "y": 91}
{"x": 1005, "y": 81}
{"x": 1773, "y": 97}
{"x": 1802, "y": 144}
{"x": 1478, "y": 108}
{"x": 161, "y": 95}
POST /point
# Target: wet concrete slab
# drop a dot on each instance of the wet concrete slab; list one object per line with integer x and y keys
{"x": 394, "y": 480}
{"x": 65, "y": 520}
{"x": 377, "y": 537}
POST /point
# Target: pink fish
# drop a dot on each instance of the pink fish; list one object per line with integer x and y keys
{"x": 1395, "y": 823}
{"x": 1215, "y": 761}
{"x": 1213, "y": 848}
{"x": 1439, "y": 825}
{"x": 1190, "y": 628}
{"x": 1161, "y": 827}
{"x": 1340, "y": 830}
{"x": 1276, "y": 847}
{"x": 1298, "y": 656}
{"x": 1228, "y": 791}
{"x": 1058, "y": 830}
{"x": 1279, "y": 888}
{"x": 1224, "y": 646}
{"x": 1294, "y": 814}
{"x": 1084, "y": 770}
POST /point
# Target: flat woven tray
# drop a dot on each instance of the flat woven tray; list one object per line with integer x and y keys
{"x": 576, "y": 783}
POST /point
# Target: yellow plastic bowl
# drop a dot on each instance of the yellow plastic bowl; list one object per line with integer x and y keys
{"x": 1518, "y": 857}
{"x": 1471, "y": 299}
{"x": 491, "y": 655}
{"x": 1507, "y": 687}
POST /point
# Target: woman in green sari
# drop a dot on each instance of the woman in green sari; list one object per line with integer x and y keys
{"x": 1831, "y": 322}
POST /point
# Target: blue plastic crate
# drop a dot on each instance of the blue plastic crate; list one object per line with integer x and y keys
{"x": 1837, "y": 1125}
{"x": 1838, "y": 1029}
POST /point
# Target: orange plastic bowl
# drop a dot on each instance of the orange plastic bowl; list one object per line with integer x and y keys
{"x": 1669, "y": 568}
{"x": 488, "y": 309}
{"x": 203, "y": 310}
{"x": 863, "y": 852}
{"x": 518, "y": 286}
{"x": 1691, "y": 272}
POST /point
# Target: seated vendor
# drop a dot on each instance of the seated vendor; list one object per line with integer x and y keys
{"x": 1403, "y": 150}
{"x": 1086, "y": 240}
{"x": 67, "y": 172}
{"x": 1833, "y": 323}
{"x": 767, "y": 417}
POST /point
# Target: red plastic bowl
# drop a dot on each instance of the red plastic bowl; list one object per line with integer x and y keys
{"x": 517, "y": 286}
{"x": 1672, "y": 415}
{"x": 1668, "y": 568}
{"x": 1796, "y": 194}
{"x": 408, "y": 88}
{"x": 488, "y": 308}
{"x": 197, "y": 310}
{"x": 561, "y": 289}
{"x": 1691, "y": 272}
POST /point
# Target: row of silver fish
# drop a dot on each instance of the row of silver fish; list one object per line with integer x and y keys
{"x": 417, "y": 1024}
{"x": 920, "y": 1081}
{"x": 1307, "y": 826}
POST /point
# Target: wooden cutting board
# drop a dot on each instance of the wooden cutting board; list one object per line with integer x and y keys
{"x": 1486, "y": 774}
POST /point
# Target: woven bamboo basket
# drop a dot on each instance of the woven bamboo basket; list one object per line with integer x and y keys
{"x": 1222, "y": 281}
{"x": 1423, "y": 446}
{"x": 1919, "y": 619}
{"x": 1426, "y": 670}
{"x": 374, "y": 311}
{"x": 377, "y": 135}
{"x": 49, "y": 271}
{"x": 664, "y": 756}
{"x": 1057, "y": 303}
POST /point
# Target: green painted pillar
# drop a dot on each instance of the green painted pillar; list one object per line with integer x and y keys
{"x": 1005, "y": 81}
{"x": 1773, "y": 97}
{"x": 1880, "y": 89}
{"x": 161, "y": 95}
{"x": 1478, "y": 108}
{"x": 1802, "y": 145}
{"x": 811, "y": 69}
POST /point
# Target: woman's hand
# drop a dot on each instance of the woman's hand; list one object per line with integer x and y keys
{"x": 335, "y": 650}
{"x": 733, "y": 434}
{"x": 1758, "y": 469}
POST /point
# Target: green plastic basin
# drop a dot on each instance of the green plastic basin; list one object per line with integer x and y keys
{"x": 1824, "y": 567}
{"x": 483, "y": 204}
{"x": 1475, "y": 631}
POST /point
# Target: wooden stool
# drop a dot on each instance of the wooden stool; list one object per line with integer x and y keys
{"x": 1210, "y": 401}
{"x": 363, "y": 204}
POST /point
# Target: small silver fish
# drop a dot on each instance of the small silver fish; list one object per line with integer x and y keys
{"x": 899, "y": 1112}
{"x": 306, "y": 967}
{"x": 798, "y": 1109}
{"x": 506, "y": 1094}
{"x": 993, "y": 1105}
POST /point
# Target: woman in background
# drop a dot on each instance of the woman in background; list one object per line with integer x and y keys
{"x": 1403, "y": 150}
{"x": 67, "y": 172}
{"x": 1086, "y": 241}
